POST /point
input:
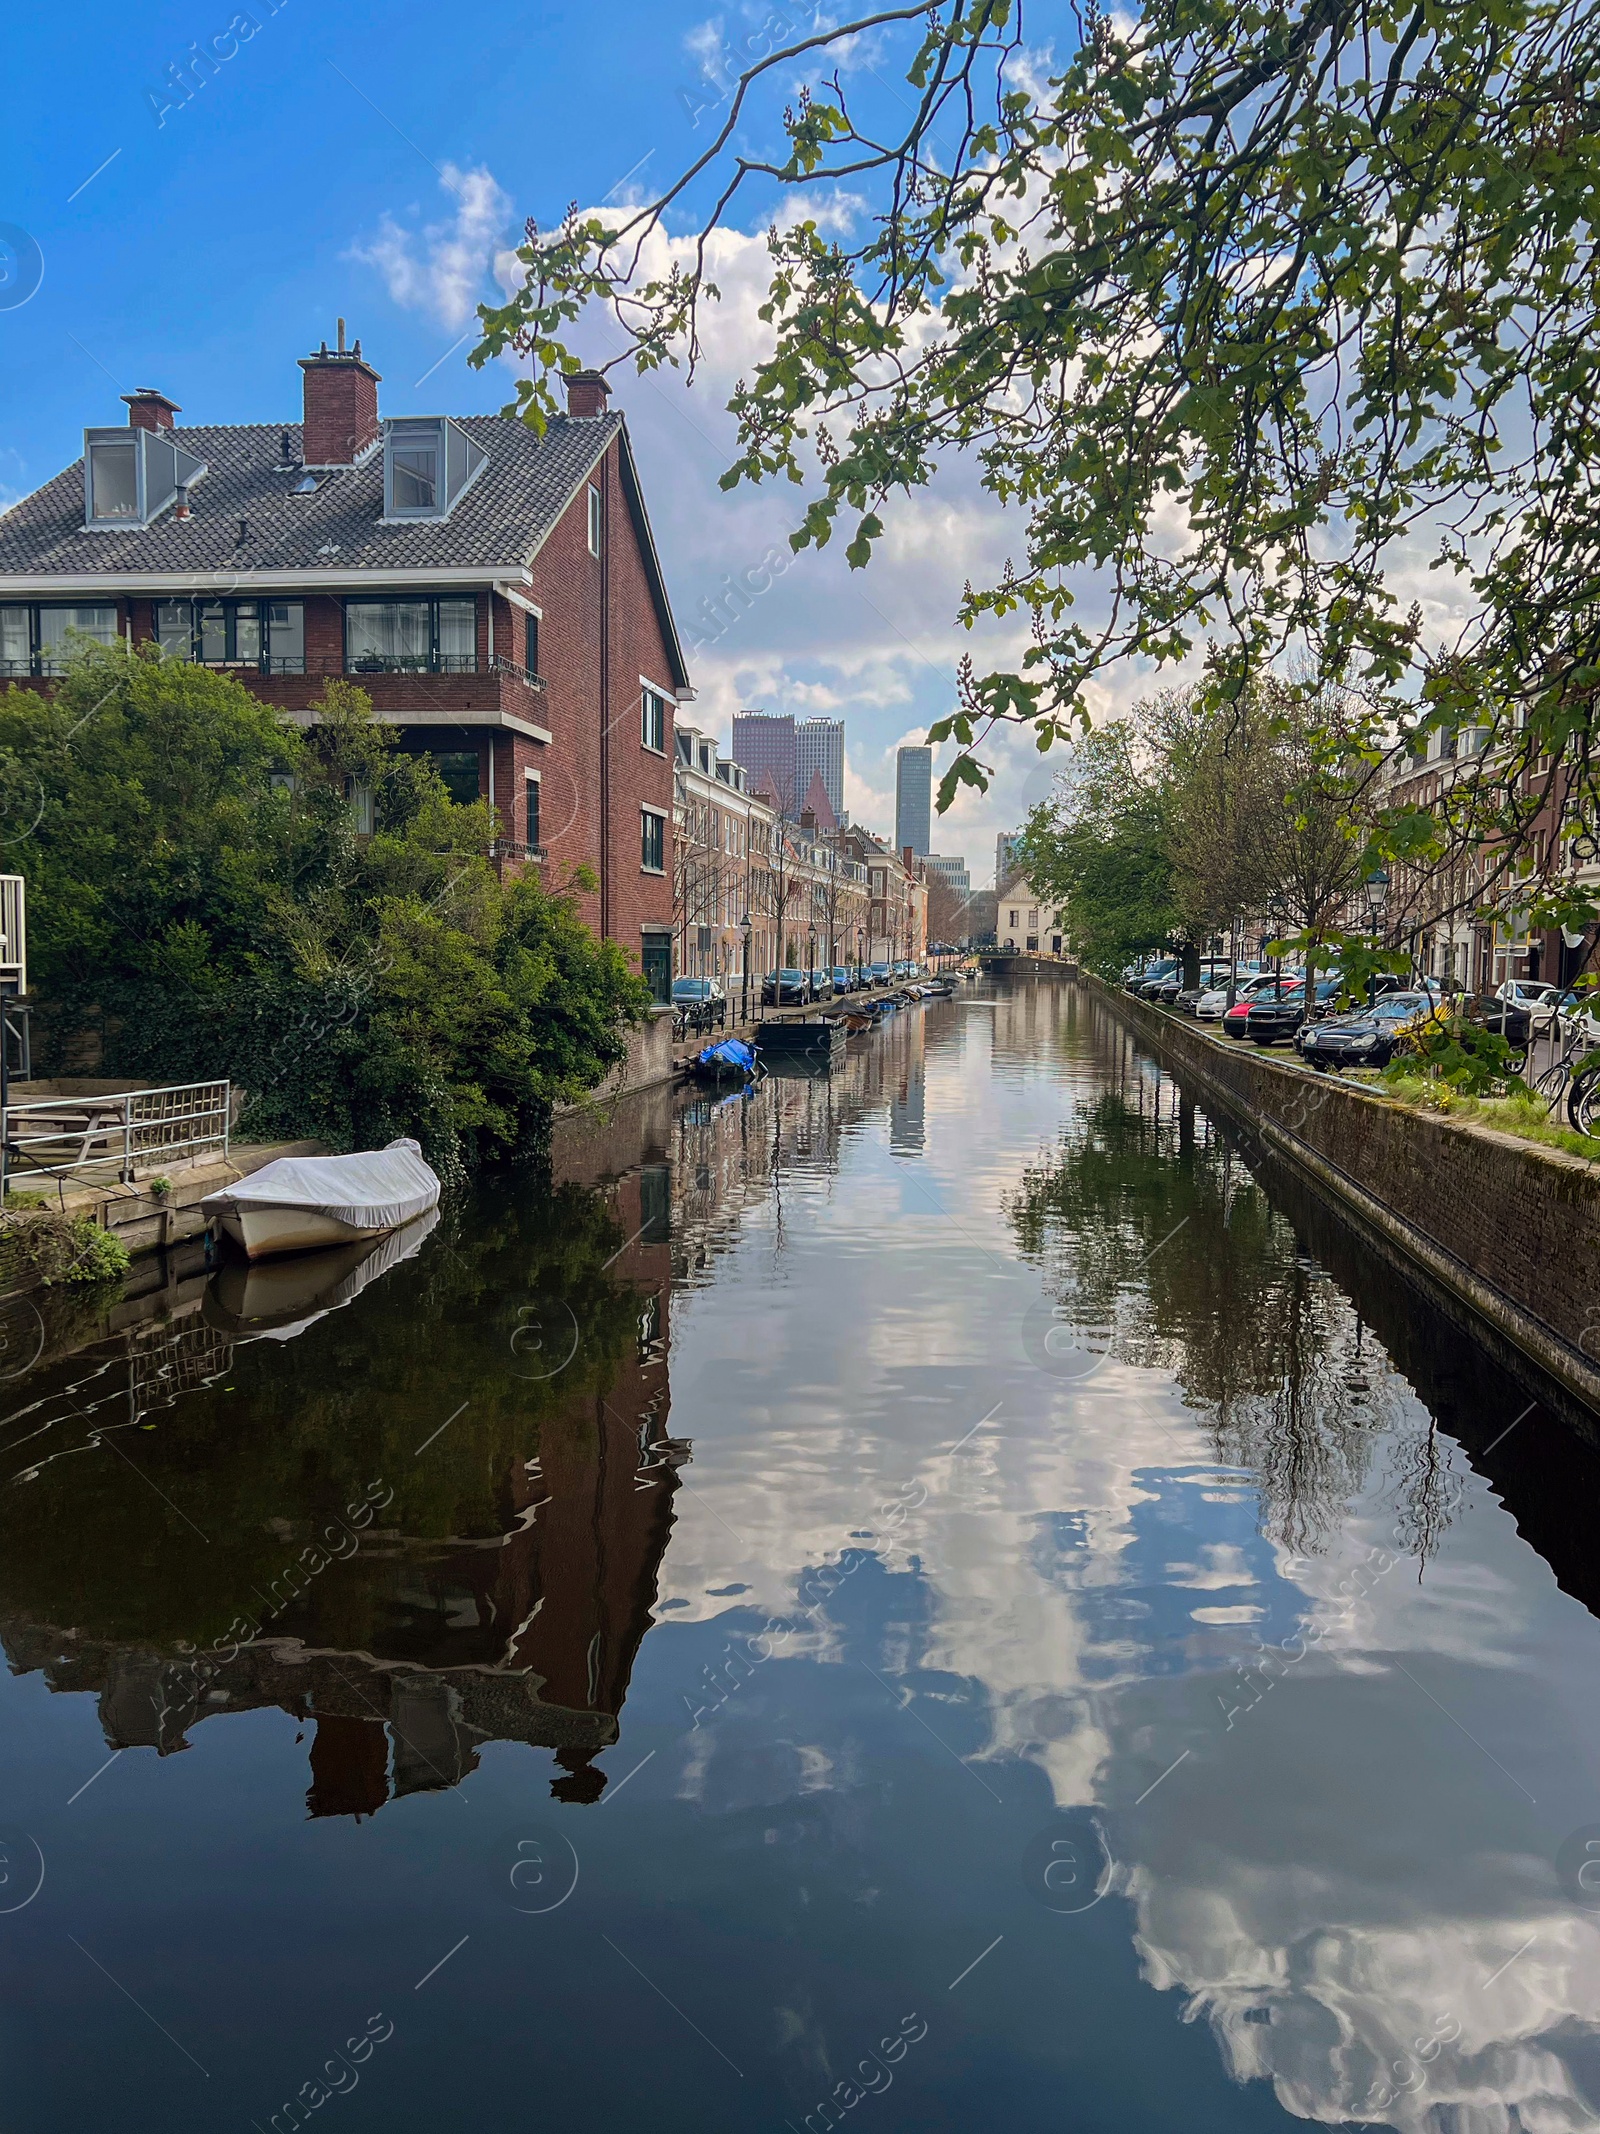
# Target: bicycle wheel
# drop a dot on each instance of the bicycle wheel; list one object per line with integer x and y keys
{"x": 1551, "y": 1085}
{"x": 1583, "y": 1102}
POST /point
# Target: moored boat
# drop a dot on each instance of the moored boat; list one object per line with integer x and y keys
{"x": 731, "y": 1061}
{"x": 307, "y": 1203}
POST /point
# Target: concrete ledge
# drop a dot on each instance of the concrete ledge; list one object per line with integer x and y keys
{"x": 146, "y": 1221}
{"x": 1509, "y": 1227}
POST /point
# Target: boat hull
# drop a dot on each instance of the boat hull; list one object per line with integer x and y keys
{"x": 262, "y": 1232}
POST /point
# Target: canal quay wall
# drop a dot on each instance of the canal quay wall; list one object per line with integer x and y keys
{"x": 1510, "y": 1228}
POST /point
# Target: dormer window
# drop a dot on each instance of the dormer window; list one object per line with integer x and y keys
{"x": 133, "y": 476}
{"x": 426, "y": 466}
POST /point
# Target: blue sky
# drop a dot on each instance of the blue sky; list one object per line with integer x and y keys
{"x": 373, "y": 162}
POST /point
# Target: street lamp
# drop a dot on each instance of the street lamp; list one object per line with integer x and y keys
{"x": 861, "y": 956}
{"x": 1376, "y": 890}
{"x": 744, "y": 928}
{"x": 811, "y": 973}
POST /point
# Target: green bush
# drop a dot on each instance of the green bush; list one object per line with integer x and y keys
{"x": 198, "y": 890}
{"x": 60, "y": 1248}
{"x": 1471, "y": 1060}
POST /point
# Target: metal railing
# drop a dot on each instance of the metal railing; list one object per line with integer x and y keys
{"x": 507, "y": 848}
{"x": 132, "y": 1129}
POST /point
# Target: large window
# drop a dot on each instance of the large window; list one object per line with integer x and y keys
{"x": 427, "y": 463}
{"x": 530, "y": 643}
{"x": 653, "y": 841}
{"x": 131, "y": 476}
{"x": 461, "y": 772}
{"x": 411, "y": 636}
{"x": 530, "y": 834}
{"x": 655, "y": 721}
{"x": 269, "y": 635}
{"x": 36, "y": 638}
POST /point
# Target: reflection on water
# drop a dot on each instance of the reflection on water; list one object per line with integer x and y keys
{"x": 842, "y": 1514}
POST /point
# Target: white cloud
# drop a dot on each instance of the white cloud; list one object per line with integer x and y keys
{"x": 442, "y": 267}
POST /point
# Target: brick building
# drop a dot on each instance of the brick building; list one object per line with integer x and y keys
{"x": 497, "y": 594}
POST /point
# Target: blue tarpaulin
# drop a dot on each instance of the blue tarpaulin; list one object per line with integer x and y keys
{"x": 730, "y": 1053}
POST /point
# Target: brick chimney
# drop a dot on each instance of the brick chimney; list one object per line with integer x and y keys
{"x": 341, "y": 405}
{"x": 150, "y": 410}
{"x": 587, "y": 393}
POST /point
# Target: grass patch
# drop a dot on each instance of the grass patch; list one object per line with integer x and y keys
{"x": 1521, "y": 1114}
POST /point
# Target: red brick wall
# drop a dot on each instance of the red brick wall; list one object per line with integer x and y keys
{"x": 567, "y": 588}
{"x": 571, "y": 587}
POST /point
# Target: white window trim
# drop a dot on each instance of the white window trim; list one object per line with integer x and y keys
{"x": 666, "y": 722}
{"x": 595, "y": 508}
{"x": 663, "y": 817}
{"x": 520, "y": 600}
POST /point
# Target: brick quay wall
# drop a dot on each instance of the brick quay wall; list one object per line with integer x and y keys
{"x": 1508, "y": 1227}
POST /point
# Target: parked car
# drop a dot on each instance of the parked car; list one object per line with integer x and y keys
{"x": 1175, "y": 994}
{"x": 1155, "y": 974}
{"x": 1213, "y": 1003}
{"x": 878, "y": 974}
{"x": 1506, "y": 1018}
{"x": 844, "y": 978}
{"x": 1269, "y": 1020}
{"x": 1543, "y": 1002}
{"x": 699, "y": 1003}
{"x": 784, "y": 989}
{"x": 1235, "y": 1023}
{"x": 1365, "y": 1039}
{"x": 819, "y": 985}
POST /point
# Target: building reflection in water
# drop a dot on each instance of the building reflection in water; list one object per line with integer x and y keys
{"x": 504, "y": 1592}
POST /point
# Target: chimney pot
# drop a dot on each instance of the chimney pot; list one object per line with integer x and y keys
{"x": 150, "y": 410}
{"x": 587, "y": 392}
{"x": 341, "y": 406}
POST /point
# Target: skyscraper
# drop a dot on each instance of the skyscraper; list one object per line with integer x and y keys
{"x": 913, "y": 799}
{"x": 819, "y": 746}
{"x": 765, "y": 742}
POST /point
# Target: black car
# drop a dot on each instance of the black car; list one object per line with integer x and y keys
{"x": 1269, "y": 1022}
{"x": 1365, "y": 1039}
{"x": 1148, "y": 983}
{"x": 785, "y": 989}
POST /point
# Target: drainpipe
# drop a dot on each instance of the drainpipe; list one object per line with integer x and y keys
{"x": 605, "y": 697}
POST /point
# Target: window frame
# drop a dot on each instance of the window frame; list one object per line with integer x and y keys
{"x": 432, "y": 602}
{"x": 652, "y": 720}
{"x": 458, "y": 462}
{"x": 596, "y": 520}
{"x": 34, "y": 667}
{"x": 658, "y": 816}
{"x": 265, "y": 662}
{"x": 532, "y": 806}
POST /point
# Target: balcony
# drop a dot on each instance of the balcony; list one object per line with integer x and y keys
{"x": 470, "y": 692}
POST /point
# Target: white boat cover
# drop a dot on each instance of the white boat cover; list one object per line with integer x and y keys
{"x": 375, "y": 1190}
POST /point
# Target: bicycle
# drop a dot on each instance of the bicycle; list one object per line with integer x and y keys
{"x": 1575, "y": 1075}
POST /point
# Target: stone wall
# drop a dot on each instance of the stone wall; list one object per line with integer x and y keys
{"x": 1509, "y": 1226}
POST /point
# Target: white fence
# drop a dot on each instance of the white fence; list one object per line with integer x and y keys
{"x": 133, "y": 1129}
{"x": 13, "y": 934}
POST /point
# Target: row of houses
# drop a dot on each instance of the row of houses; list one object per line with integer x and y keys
{"x": 499, "y": 596}
{"x": 814, "y": 894}
{"x": 1458, "y": 918}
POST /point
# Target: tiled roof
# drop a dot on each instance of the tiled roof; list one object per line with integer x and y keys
{"x": 499, "y": 522}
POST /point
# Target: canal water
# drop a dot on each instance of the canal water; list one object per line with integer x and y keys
{"x": 950, "y": 1596}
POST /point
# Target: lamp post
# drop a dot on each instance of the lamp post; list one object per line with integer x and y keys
{"x": 744, "y": 929}
{"x": 811, "y": 971}
{"x": 861, "y": 957}
{"x": 1376, "y": 888}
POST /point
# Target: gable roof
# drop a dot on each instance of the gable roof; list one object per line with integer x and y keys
{"x": 496, "y": 527}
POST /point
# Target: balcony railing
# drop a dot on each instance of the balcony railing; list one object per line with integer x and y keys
{"x": 507, "y": 848}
